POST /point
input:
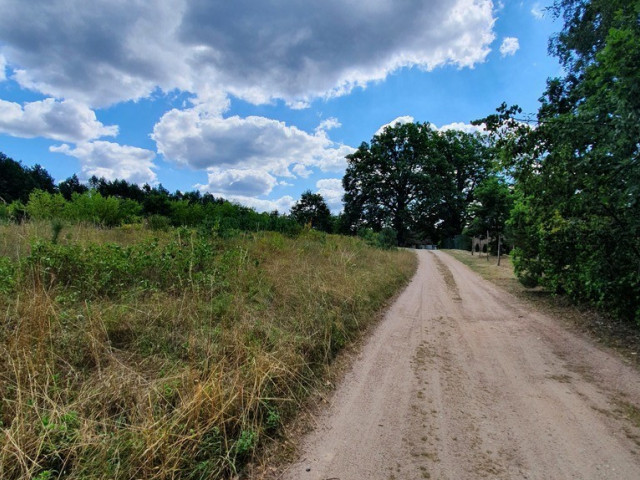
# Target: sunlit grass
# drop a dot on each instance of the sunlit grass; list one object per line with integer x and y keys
{"x": 179, "y": 377}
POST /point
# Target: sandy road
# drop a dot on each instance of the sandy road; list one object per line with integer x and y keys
{"x": 461, "y": 380}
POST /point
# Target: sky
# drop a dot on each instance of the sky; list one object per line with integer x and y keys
{"x": 255, "y": 101}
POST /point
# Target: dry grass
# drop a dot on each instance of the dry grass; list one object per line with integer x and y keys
{"x": 624, "y": 337}
{"x": 176, "y": 383}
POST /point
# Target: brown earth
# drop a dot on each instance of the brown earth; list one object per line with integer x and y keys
{"x": 462, "y": 380}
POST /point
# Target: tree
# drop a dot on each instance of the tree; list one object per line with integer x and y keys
{"x": 312, "y": 209}
{"x": 576, "y": 224}
{"x": 491, "y": 208}
{"x": 413, "y": 179}
{"x": 17, "y": 181}
{"x": 70, "y": 186}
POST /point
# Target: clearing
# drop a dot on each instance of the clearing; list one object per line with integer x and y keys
{"x": 463, "y": 380}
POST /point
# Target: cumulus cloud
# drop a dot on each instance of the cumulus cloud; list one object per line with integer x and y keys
{"x": 537, "y": 11}
{"x": 99, "y": 53}
{"x": 509, "y": 46}
{"x": 242, "y": 182}
{"x": 112, "y": 160}
{"x": 282, "y": 204}
{"x": 67, "y": 121}
{"x": 196, "y": 138}
{"x": 329, "y": 124}
{"x": 463, "y": 127}
{"x": 110, "y": 51}
{"x": 332, "y": 192}
{"x": 394, "y": 122}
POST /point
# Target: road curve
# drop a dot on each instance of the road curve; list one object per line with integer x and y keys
{"x": 462, "y": 380}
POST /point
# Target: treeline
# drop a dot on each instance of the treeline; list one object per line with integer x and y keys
{"x": 31, "y": 193}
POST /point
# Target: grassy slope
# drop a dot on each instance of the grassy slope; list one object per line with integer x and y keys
{"x": 170, "y": 355}
{"x": 622, "y": 336}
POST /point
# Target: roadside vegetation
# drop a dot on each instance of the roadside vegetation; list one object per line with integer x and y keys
{"x": 129, "y": 352}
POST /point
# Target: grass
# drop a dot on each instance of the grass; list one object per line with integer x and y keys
{"x": 622, "y": 336}
{"x": 126, "y": 353}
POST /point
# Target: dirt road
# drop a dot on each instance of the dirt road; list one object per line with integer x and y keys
{"x": 461, "y": 380}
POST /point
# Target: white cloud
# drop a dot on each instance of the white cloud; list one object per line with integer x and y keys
{"x": 301, "y": 171}
{"x": 509, "y": 46}
{"x": 329, "y": 124}
{"x": 332, "y": 192}
{"x": 537, "y": 11}
{"x": 282, "y": 204}
{"x": 198, "y": 139}
{"x": 107, "y": 51}
{"x": 67, "y": 121}
{"x": 394, "y": 122}
{"x": 243, "y": 182}
{"x": 463, "y": 127}
{"x": 112, "y": 160}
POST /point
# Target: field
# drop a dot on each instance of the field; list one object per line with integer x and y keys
{"x": 129, "y": 353}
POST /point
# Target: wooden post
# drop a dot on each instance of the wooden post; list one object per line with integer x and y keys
{"x": 499, "y": 245}
{"x": 488, "y": 245}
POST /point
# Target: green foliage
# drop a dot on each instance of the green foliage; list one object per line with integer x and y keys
{"x": 70, "y": 186}
{"x": 17, "y": 211}
{"x": 44, "y": 205}
{"x": 159, "y": 222}
{"x": 56, "y": 228}
{"x": 575, "y": 223}
{"x": 415, "y": 180}
{"x": 491, "y": 209}
{"x": 7, "y": 275}
{"x": 312, "y": 210}
{"x": 17, "y": 182}
{"x": 112, "y": 270}
{"x": 385, "y": 239}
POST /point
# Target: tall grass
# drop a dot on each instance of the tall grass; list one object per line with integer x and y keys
{"x": 170, "y": 354}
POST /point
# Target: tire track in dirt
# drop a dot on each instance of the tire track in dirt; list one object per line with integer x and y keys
{"x": 462, "y": 380}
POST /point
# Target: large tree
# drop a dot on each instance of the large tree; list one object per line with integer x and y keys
{"x": 413, "y": 179}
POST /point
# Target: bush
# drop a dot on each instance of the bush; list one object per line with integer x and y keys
{"x": 159, "y": 222}
{"x": 7, "y": 275}
{"x": 386, "y": 239}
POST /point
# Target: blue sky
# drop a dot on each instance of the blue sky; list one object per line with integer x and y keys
{"x": 255, "y": 101}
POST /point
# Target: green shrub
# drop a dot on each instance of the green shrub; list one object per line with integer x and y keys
{"x": 387, "y": 238}
{"x": 159, "y": 222}
{"x": 7, "y": 275}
